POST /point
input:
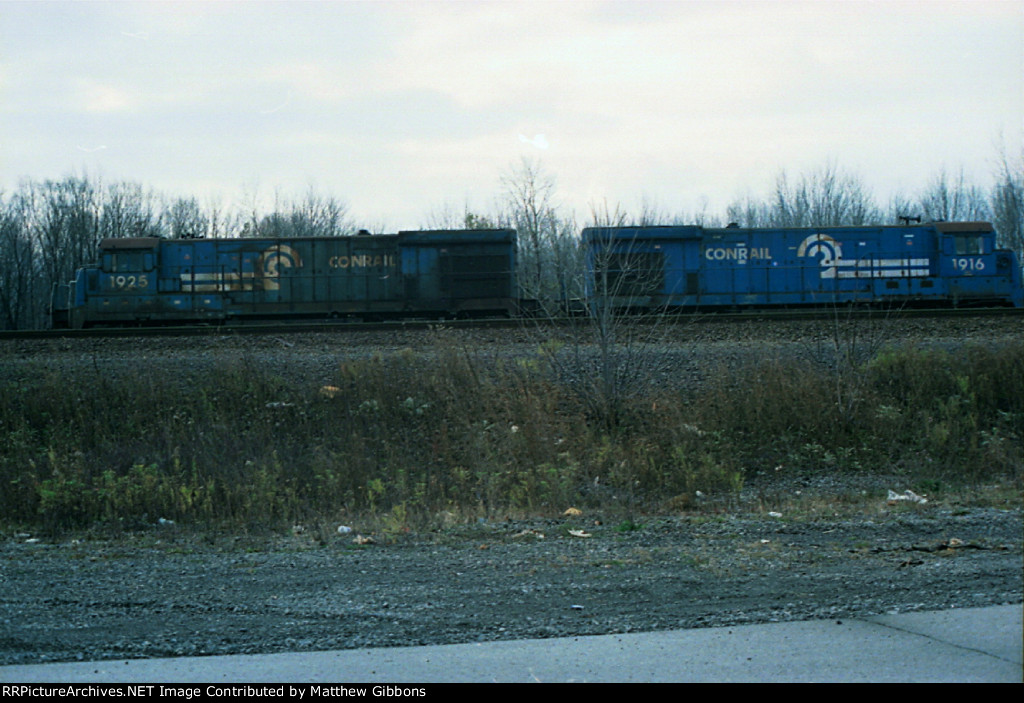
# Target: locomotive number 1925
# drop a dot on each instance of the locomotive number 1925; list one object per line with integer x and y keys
{"x": 129, "y": 282}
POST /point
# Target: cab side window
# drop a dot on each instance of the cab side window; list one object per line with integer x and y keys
{"x": 968, "y": 246}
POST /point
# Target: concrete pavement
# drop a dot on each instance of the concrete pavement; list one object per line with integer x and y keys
{"x": 965, "y": 645}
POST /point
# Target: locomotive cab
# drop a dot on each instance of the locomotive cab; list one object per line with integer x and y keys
{"x": 120, "y": 287}
{"x": 975, "y": 270}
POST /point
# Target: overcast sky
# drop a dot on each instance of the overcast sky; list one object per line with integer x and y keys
{"x": 398, "y": 108}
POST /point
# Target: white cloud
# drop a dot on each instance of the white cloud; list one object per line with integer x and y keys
{"x": 398, "y": 103}
{"x": 315, "y": 80}
{"x": 95, "y": 97}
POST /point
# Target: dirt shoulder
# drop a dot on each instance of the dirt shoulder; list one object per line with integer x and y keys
{"x": 166, "y": 593}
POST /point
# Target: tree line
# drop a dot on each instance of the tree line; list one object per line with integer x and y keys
{"x": 50, "y": 228}
{"x": 825, "y": 197}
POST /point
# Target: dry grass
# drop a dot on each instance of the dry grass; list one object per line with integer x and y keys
{"x": 412, "y": 442}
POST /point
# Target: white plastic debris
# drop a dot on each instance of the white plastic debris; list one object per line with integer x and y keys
{"x": 529, "y": 533}
{"x": 895, "y": 497}
{"x": 775, "y": 514}
{"x": 344, "y": 529}
{"x": 914, "y": 497}
{"x": 579, "y": 533}
{"x": 165, "y": 522}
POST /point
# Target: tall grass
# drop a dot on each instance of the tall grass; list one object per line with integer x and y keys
{"x": 410, "y": 435}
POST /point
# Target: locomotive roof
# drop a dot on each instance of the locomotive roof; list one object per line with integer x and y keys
{"x": 440, "y": 235}
{"x": 964, "y": 226}
{"x": 698, "y": 231}
{"x": 130, "y": 243}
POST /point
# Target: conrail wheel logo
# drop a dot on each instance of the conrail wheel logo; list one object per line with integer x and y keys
{"x": 833, "y": 265}
{"x": 272, "y": 260}
{"x": 821, "y": 244}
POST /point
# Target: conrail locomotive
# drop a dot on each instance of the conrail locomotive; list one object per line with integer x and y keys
{"x": 944, "y": 263}
{"x": 159, "y": 281}
{"x": 473, "y": 273}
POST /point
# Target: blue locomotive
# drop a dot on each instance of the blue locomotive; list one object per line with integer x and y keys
{"x": 472, "y": 272}
{"x": 651, "y": 268}
{"x": 151, "y": 280}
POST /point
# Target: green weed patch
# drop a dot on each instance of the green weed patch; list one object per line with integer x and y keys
{"x": 403, "y": 438}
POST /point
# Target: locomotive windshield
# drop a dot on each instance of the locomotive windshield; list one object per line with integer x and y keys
{"x": 125, "y": 261}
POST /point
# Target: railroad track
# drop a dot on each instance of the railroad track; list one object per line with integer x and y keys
{"x": 252, "y": 328}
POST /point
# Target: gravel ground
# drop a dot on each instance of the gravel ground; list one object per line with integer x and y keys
{"x": 164, "y": 592}
{"x": 687, "y": 351}
{"x": 161, "y": 594}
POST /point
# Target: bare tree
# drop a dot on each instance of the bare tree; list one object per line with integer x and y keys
{"x": 901, "y": 206}
{"x": 186, "y": 220}
{"x": 603, "y": 216}
{"x": 748, "y": 212}
{"x": 222, "y": 222}
{"x": 650, "y": 214}
{"x": 825, "y": 198}
{"x": 65, "y": 226}
{"x": 250, "y": 210}
{"x": 17, "y": 272}
{"x": 450, "y": 216}
{"x": 319, "y": 215}
{"x": 47, "y": 231}
{"x": 315, "y": 215}
{"x": 949, "y": 198}
{"x": 528, "y": 194}
{"x": 446, "y": 216}
{"x": 607, "y": 354}
{"x": 126, "y": 210}
{"x": 1008, "y": 204}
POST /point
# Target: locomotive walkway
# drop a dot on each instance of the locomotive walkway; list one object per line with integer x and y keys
{"x": 966, "y": 645}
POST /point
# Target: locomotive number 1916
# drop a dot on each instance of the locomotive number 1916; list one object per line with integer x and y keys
{"x": 969, "y": 264}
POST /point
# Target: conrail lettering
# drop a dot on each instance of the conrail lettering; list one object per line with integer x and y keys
{"x": 739, "y": 254}
{"x": 362, "y": 260}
